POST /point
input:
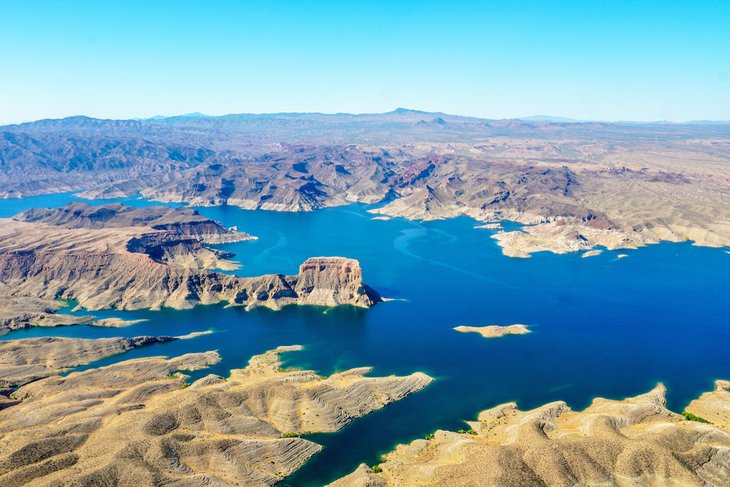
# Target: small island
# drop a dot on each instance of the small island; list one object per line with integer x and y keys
{"x": 495, "y": 331}
{"x": 592, "y": 253}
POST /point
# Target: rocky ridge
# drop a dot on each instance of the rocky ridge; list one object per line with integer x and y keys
{"x": 29, "y": 359}
{"x": 18, "y": 312}
{"x": 23, "y": 311}
{"x": 138, "y": 423}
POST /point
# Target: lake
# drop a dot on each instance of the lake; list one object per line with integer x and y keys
{"x": 601, "y": 326}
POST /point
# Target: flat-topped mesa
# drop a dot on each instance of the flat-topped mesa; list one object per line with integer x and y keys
{"x": 180, "y": 222}
{"x": 331, "y": 281}
{"x": 342, "y": 265}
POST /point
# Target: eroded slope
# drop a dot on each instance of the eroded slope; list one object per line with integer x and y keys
{"x": 137, "y": 423}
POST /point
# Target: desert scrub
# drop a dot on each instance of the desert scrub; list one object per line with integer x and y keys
{"x": 467, "y": 432}
{"x": 297, "y": 435}
{"x": 691, "y": 417}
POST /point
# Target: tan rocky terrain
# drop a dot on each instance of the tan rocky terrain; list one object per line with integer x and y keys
{"x": 138, "y": 423}
{"x": 578, "y": 185}
{"x": 637, "y": 441}
{"x": 29, "y": 359}
{"x": 494, "y": 331}
{"x": 134, "y": 267}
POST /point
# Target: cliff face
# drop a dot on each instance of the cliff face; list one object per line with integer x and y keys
{"x": 136, "y": 422}
{"x": 637, "y": 441}
{"x": 97, "y": 268}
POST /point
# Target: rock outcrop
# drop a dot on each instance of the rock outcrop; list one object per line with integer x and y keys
{"x": 138, "y": 423}
{"x": 29, "y": 359}
{"x": 626, "y": 443}
{"x": 109, "y": 268}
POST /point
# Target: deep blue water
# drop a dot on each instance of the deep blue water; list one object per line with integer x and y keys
{"x": 601, "y": 326}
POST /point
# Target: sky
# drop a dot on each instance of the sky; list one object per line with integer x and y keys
{"x": 596, "y": 60}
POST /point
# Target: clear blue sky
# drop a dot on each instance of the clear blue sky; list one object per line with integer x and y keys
{"x": 610, "y": 60}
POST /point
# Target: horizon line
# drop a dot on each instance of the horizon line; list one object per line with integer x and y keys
{"x": 525, "y": 118}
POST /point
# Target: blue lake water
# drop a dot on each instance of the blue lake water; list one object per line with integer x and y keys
{"x": 601, "y": 326}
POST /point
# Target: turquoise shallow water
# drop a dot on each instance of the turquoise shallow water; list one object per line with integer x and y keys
{"x": 601, "y": 326}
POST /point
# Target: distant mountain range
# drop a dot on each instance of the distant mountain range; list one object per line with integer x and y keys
{"x": 399, "y": 115}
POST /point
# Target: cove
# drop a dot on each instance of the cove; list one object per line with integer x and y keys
{"x": 601, "y": 326}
